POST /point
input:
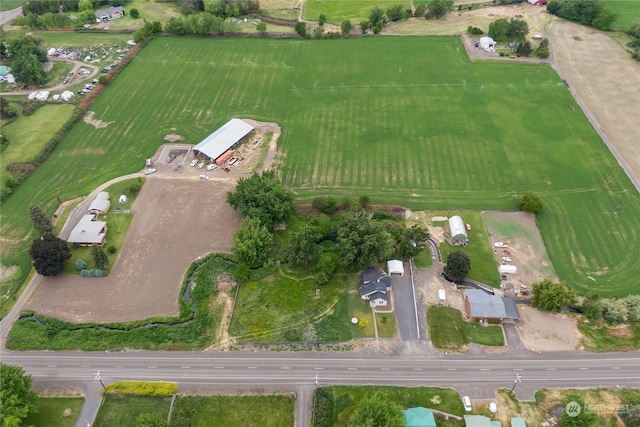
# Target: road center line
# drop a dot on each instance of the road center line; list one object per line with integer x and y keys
{"x": 118, "y": 366}
{"x": 218, "y": 367}
{"x": 52, "y": 366}
{"x": 452, "y": 369}
{"x": 252, "y": 367}
{"x": 551, "y": 369}
{"x": 616, "y": 367}
{"x": 85, "y": 366}
{"x": 285, "y": 367}
{"x": 584, "y": 369}
{"x": 385, "y": 369}
{"x": 485, "y": 369}
{"x": 151, "y": 367}
{"x": 185, "y": 367}
{"x": 318, "y": 369}
{"x": 352, "y": 369}
{"x": 418, "y": 369}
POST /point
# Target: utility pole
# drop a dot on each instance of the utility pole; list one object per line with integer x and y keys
{"x": 516, "y": 382}
{"x": 99, "y": 378}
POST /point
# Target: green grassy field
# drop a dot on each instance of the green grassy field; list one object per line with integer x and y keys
{"x": 428, "y": 130}
{"x": 120, "y": 410}
{"x": 278, "y": 307}
{"x": 233, "y": 411}
{"x": 10, "y": 4}
{"x": 339, "y": 10}
{"x": 347, "y": 398}
{"x": 627, "y": 10}
{"x": 484, "y": 267}
{"x": 51, "y": 412}
{"x": 29, "y": 134}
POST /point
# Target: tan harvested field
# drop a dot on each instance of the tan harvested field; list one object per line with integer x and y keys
{"x": 607, "y": 81}
{"x": 456, "y": 23}
{"x": 176, "y": 220}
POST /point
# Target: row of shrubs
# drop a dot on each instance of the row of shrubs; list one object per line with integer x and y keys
{"x": 322, "y": 408}
{"x": 142, "y": 388}
{"x": 92, "y": 273}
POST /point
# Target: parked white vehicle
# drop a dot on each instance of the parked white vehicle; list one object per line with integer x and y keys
{"x": 201, "y": 165}
{"x": 204, "y": 176}
{"x": 193, "y": 162}
{"x": 500, "y": 245}
{"x": 149, "y": 171}
{"x": 211, "y": 167}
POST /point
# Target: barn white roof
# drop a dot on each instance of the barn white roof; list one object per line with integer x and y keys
{"x": 87, "y": 231}
{"x": 224, "y": 138}
{"x": 456, "y": 226}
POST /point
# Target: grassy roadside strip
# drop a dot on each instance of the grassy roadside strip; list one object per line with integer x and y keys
{"x": 448, "y": 331}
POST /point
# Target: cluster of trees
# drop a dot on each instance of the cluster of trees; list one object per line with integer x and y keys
{"x": 508, "y": 30}
{"x": 530, "y": 201}
{"x": 634, "y": 42}
{"x": 230, "y": 8}
{"x": 264, "y": 201}
{"x": 377, "y": 410}
{"x": 17, "y": 400}
{"x": 586, "y": 12}
{"x": 62, "y": 13}
{"x": 57, "y": 6}
{"x": 48, "y": 253}
{"x": 27, "y": 55}
{"x": 458, "y": 265}
{"x": 614, "y": 311}
{"x": 7, "y": 111}
{"x": 149, "y": 29}
{"x": 438, "y": 8}
{"x": 200, "y": 24}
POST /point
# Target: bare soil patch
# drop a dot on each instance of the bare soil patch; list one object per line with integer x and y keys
{"x": 526, "y": 247}
{"x": 176, "y": 221}
{"x": 607, "y": 82}
{"x": 7, "y": 272}
{"x": 542, "y": 331}
{"x": 172, "y": 137}
{"x": 98, "y": 124}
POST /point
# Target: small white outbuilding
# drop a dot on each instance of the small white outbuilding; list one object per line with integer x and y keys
{"x": 507, "y": 269}
{"x": 395, "y": 267}
{"x": 123, "y": 199}
{"x": 487, "y": 43}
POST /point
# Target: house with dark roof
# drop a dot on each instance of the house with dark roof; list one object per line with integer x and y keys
{"x": 482, "y": 306}
{"x": 114, "y": 12}
{"x": 375, "y": 287}
{"x": 419, "y": 417}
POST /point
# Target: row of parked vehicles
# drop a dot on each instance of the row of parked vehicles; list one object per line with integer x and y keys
{"x": 88, "y": 87}
{"x": 200, "y": 165}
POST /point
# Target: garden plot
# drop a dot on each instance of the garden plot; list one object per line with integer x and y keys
{"x": 176, "y": 221}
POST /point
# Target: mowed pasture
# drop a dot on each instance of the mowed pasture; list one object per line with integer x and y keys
{"x": 403, "y": 120}
{"x": 337, "y": 11}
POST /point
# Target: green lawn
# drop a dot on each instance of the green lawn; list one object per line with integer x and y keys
{"x": 278, "y": 307}
{"x": 484, "y": 267}
{"x": 483, "y": 335}
{"x": 361, "y": 310}
{"x": 424, "y": 260}
{"x": 233, "y": 411}
{"x": 51, "y": 412}
{"x": 11, "y": 4}
{"x": 386, "y": 325}
{"x": 339, "y": 10}
{"x": 448, "y": 331}
{"x": 29, "y": 134}
{"x": 427, "y": 131}
{"x": 149, "y": 10}
{"x": 121, "y": 410}
{"x": 627, "y": 10}
{"x": 347, "y": 398}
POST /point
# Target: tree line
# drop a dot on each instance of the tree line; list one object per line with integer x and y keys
{"x": 586, "y": 12}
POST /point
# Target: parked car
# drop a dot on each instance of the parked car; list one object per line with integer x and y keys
{"x": 65, "y": 81}
{"x": 193, "y": 162}
{"x": 212, "y": 166}
{"x": 149, "y": 171}
{"x": 500, "y": 245}
{"x": 204, "y": 176}
{"x": 200, "y": 165}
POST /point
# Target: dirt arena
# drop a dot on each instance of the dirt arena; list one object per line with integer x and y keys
{"x": 176, "y": 221}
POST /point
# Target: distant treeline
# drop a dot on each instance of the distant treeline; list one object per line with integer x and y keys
{"x": 586, "y": 12}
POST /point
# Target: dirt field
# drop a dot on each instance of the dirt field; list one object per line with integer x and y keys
{"x": 178, "y": 218}
{"x": 541, "y": 331}
{"x": 527, "y": 250}
{"x": 607, "y": 81}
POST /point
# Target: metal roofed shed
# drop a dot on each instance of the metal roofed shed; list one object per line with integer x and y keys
{"x": 101, "y": 203}
{"x": 518, "y": 422}
{"x": 477, "y": 421}
{"x": 395, "y": 266}
{"x": 89, "y": 232}
{"x": 507, "y": 269}
{"x": 457, "y": 231}
{"x": 223, "y": 139}
{"x": 419, "y": 417}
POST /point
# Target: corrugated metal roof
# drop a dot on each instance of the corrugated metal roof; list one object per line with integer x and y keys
{"x": 224, "y": 138}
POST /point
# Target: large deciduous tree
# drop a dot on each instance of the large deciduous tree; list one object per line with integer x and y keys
{"x": 376, "y": 410}
{"x": 27, "y": 68}
{"x": 49, "y": 254}
{"x": 17, "y": 400}
{"x": 41, "y": 222}
{"x": 458, "y": 265}
{"x": 302, "y": 249}
{"x": 262, "y": 196}
{"x": 346, "y": 27}
{"x": 551, "y": 296}
{"x": 100, "y": 259}
{"x": 362, "y": 243}
{"x": 413, "y": 241}
{"x": 252, "y": 242}
{"x": 438, "y": 8}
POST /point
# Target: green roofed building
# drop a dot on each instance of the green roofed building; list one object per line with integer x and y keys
{"x": 477, "y": 421}
{"x": 4, "y": 70}
{"x": 419, "y": 417}
{"x": 518, "y": 422}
